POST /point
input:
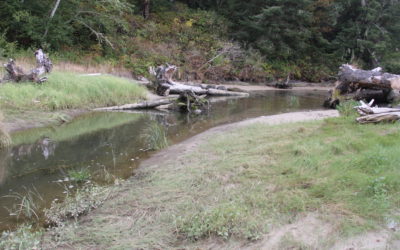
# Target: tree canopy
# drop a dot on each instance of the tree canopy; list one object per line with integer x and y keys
{"x": 326, "y": 32}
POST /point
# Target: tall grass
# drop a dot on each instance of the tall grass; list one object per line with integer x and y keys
{"x": 155, "y": 136}
{"x": 27, "y": 205}
{"x": 69, "y": 90}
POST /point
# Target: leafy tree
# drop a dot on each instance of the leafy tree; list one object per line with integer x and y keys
{"x": 65, "y": 22}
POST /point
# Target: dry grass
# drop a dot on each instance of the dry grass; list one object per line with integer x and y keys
{"x": 88, "y": 67}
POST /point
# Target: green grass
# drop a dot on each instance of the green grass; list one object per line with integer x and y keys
{"x": 241, "y": 184}
{"x": 70, "y": 91}
{"x": 79, "y": 175}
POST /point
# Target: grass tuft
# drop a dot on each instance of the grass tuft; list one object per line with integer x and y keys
{"x": 27, "y": 205}
{"x": 80, "y": 175}
{"x": 346, "y": 108}
{"x": 155, "y": 136}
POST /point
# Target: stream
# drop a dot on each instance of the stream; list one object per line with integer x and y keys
{"x": 110, "y": 145}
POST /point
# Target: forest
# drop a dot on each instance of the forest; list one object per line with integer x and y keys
{"x": 211, "y": 40}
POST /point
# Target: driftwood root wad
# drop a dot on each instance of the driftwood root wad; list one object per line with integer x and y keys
{"x": 164, "y": 85}
{"x": 16, "y": 74}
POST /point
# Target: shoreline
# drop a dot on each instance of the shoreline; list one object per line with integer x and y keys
{"x": 18, "y": 123}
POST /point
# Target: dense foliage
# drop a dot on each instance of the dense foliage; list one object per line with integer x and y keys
{"x": 306, "y": 39}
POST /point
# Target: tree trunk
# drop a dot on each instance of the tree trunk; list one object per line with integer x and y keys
{"x": 146, "y": 9}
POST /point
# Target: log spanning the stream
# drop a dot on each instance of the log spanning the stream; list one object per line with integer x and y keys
{"x": 165, "y": 85}
{"x": 366, "y": 85}
{"x": 17, "y": 74}
{"x": 369, "y": 114}
{"x": 140, "y": 105}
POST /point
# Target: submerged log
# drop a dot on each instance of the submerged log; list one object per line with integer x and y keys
{"x": 17, "y": 74}
{"x": 141, "y": 105}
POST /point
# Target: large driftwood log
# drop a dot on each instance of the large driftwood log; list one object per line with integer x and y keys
{"x": 371, "y": 79}
{"x": 366, "y": 85}
{"x": 165, "y": 85}
{"x": 17, "y": 74}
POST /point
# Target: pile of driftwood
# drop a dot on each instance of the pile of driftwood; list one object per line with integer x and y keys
{"x": 189, "y": 97}
{"x": 365, "y": 85}
{"x": 369, "y": 114}
{"x": 165, "y": 85}
{"x": 16, "y": 74}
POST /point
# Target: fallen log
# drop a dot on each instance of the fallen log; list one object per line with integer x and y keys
{"x": 372, "y": 79}
{"x": 141, "y": 105}
{"x": 378, "y": 118}
{"x": 17, "y": 74}
{"x": 371, "y": 114}
{"x": 366, "y": 85}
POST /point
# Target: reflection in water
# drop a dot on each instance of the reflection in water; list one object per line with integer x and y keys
{"x": 4, "y": 162}
{"x": 48, "y": 147}
{"x": 112, "y": 144}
